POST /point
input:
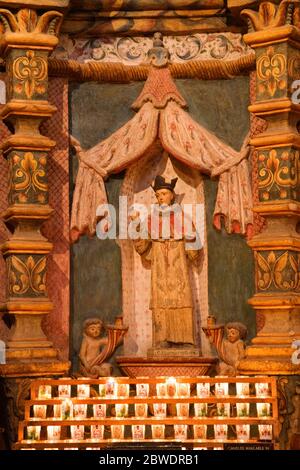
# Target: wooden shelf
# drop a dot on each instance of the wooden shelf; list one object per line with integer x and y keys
{"x": 212, "y": 401}
{"x": 150, "y": 400}
{"x": 147, "y": 421}
{"x": 105, "y": 442}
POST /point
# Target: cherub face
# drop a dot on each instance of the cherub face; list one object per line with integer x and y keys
{"x": 94, "y": 330}
{"x": 233, "y": 335}
{"x": 164, "y": 197}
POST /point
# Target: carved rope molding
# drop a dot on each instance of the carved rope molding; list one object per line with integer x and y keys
{"x": 115, "y": 72}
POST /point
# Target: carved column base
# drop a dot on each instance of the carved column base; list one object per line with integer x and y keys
{"x": 277, "y": 302}
{"x": 264, "y": 364}
{"x": 35, "y": 368}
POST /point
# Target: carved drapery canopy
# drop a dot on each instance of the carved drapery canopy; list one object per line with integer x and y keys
{"x": 161, "y": 116}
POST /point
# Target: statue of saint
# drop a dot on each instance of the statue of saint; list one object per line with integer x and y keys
{"x": 168, "y": 242}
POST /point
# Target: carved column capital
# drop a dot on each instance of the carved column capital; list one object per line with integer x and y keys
{"x": 28, "y": 29}
{"x": 270, "y": 16}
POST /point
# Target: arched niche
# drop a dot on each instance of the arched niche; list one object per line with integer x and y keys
{"x": 136, "y": 273}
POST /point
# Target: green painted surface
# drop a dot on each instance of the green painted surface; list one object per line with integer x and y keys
{"x": 97, "y": 110}
{"x": 221, "y": 107}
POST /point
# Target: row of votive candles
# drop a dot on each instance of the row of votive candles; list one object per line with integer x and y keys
{"x": 157, "y": 430}
{"x": 170, "y": 388}
{"x": 68, "y": 410}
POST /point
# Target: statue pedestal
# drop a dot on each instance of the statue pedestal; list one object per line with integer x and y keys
{"x": 169, "y": 353}
{"x": 168, "y": 367}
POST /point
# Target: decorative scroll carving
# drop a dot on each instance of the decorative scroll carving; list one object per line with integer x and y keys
{"x": 31, "y": 71}
{"x": 277, "y": 270}
{"x": 27, "y": 275}
{"x": 271, "y": 71}
{"x": 28, "y": 178}
{"x": 134, "y": 50}
{"x": 294, "y": 66}
{"x": 278, "y": 174}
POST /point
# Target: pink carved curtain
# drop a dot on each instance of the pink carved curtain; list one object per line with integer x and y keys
{"x": 183, "y": 139}
{"x": 112, "y": 155}
{"x": 196, "y": 147}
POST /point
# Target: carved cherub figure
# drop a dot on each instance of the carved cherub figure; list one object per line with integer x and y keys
{"x": 232, "y": 348}
{"x": 92, "y": 345}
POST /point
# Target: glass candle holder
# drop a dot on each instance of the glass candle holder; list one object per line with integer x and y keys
{"x": 142, "y": 390}
{"x": 160, "y": 410}
{"x": 183, "y": 390}
{"x": 183, "y": 410}
{"x": 158, "y": 431}
{"x": 102, "y": 388}
{"x": 66, "y": 409}
{"x": 200, "y": 409}
{"x": 221, "y": 389}
{"x": 265, "y": 432}
{"x": 141, "y": 410}
{"x": 57, "y": 411}
{"x": 53, "y": 433}
{"x": 161, "y": 390}
{"x": 33, "y": 433}
{"x": 171, "y": 387}
{"x": 64, "y": 391}
{"x": 83, "y": 391}
{"x": 121, "y": 410}
{"x": 203, "y": 389}
{"x": 200, "y": 431}
{"x": 223, "y": 410}
{"x": 180, "y": 431}
{"x": 263, "y": 410}
{"x": 262, "y": 389}
{"x": 138, "y": 431}
{"x": 40, "y": 411}
{"x": 97, "y": 431}
{"x": 221, "y": 431}
{"x": 242, "y": 389}
{"x": 117, "y": 431}
{"x": 77, "y": 432}
{"x": 242, "y": 409}
{"x": 99, "y": 410}
{"x": 110, "y": 388}
{"x": 45, "y": 392}
{"x": 123, "y": 390}
{"x": 243, "y": 432}
{"x": 79, "y": 411}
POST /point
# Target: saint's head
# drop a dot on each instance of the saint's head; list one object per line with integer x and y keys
{"x": 164, "y": 190}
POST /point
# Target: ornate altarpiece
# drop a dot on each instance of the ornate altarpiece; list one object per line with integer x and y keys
{"x": 30, "y": 32}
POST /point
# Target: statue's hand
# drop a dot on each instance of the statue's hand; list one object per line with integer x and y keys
{"x": 134, "y": 215}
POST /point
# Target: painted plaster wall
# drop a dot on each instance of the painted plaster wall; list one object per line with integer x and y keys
{"x": 99, "y": 109}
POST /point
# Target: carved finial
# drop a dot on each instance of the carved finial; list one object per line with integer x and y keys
{"x": 158, "y": 55}
{"x": 158, "y": 40}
